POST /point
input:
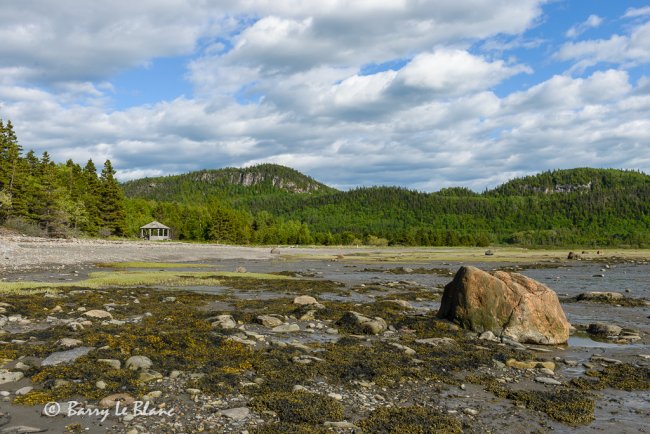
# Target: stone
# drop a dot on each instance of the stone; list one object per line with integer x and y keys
{"x": 435, "y": 342}
{"x": 67, "y": 356}
{"x": 405, "y": 304}
{"x": 69, "y": 342}
{"x": 342, "y": 425}
{"x": 24, "y": 390}
{"x": 239, "y": 413}
{"x": 509, "y": 305}
{"x": 488, "y": 336}
{"x": 336, "y": 396}
{"x": 113, "y": 363}
{"x": 286, "y": 328}
{"x": 269, "y": 321}
{"x": 111, "y": 401}
{"x": 547, "y": 380}
{"x": 241, "y": 269}
{"x": 152, "y": 395}
{"x": 602, "y": 329}
{"x": 530, "y": 364}
{"x": 305, "y": 300}
{"x": 362, "y": 323}
{"x": 101, "y": 384}
{"x": 600, "y": 296}
{"x": 147, "y": 376}
{"x": 136, "y": 363}
{"x": 99, "y": 314}
{"x": 10, "y": 377}
{"x": 407, "y": 350}
{"x": 21, "y": 429}
{"x": 224, "y": 322}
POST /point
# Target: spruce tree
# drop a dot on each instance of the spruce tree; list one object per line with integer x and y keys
{"x": 111, "y": 205}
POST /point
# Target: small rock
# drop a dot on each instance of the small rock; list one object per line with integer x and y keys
{"x": 192, "y": 392}
{"x": 407, "y": 350}
{"x": 405, "y": 304}
{"x": 111, "y": 400}
{"x": 488, "y": 336}
{"x": 69, "y": 342}
{"x": 286, "y": 328}
{"x": 101, "y": 385}
{"x": 269, "y": 321}
{"x": 21, "y": 429}
{"x": 470, "y": 411}
{"x": 530, "y": 364}
{"x": 135, "y": 363}
{"x": 68, "y": 356}
{"x": 305, "y": 300}
{"x": 241, "y": 269}
{"x": 434, "y": 342}
{"x": 342, "y": 425}
{"x": 148, "y": 376}
{"x": 547, "y": 380}
{"x": 10, "y": 377}
{"x": 24, "y": 390}
{"x": 225, "y": 322}
{"x": 98, "y": 313}
{"x": 336, "y": 396}
{"x": 239, "y": 413}
{"x": 546, "y": 371}
{"x": 602, "y": 329}
{"x": 152, "y": 395}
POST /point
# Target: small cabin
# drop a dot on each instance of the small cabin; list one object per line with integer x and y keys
{"x": 155, "y": 231}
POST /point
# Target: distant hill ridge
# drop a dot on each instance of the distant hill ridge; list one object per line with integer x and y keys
{"x": 264, "y": 179}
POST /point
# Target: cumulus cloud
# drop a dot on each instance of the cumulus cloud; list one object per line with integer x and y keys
{"x": 637, "y": 12}
{"x": 626, "y": 50}
{"x": 287, "y": 81}
{"x": 591, "y": 22}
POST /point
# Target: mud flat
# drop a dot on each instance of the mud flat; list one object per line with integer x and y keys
{"x": 204, "y": 338}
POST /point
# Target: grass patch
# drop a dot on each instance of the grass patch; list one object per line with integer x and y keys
{"x": 103, "y": 279}
{"x": 164, "y": 265}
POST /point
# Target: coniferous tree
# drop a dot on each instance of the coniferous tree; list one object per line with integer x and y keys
{"x": 111, "y": 205}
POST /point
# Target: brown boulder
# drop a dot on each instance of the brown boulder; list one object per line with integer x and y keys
{"x": 507, "y": 304}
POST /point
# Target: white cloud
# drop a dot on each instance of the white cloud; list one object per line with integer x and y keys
{"x": 637, "y": 12}
{"x": 591, "y": 22}
{"x": 624, "y": 50}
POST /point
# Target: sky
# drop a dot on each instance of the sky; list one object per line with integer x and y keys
{"x": 424, "y": 94}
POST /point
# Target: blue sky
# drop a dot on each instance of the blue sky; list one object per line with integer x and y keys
{"x": 423, "y": 94}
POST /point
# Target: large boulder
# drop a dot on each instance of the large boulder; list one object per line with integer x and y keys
{"x": 509, "y": 305}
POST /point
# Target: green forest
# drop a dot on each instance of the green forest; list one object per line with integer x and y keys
{"x": 271, "y": 204}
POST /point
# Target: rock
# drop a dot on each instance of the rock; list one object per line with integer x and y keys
{"x": 336, "y": 396}
{"x": 546, "y": 380}
{"x": 10, "y": 377}
{"x": 600, "y": 296}
{"x": 56, "y": 309}
{"x": 69, "y": 342}
{"x": 489, "y": 253}
{"x": 405, "y": 304}
{"x": 98, "y": 313}
{"x": 573, "y": 255}
{"x": 507, "y": 304}
{"x": 147, "y": 376}
{"x": 305, "y": 300}
{"x": 66, "y": 356}
{"x": 111, "y": 401}
{"x": 488, "y": 336}
{"x": 225, "y": 322}
{"x": 530, "y": 364}
{"x": 546, "y": 371}
{"x": 136, "y": 363}
{"x": 152, "y": 395}
{"x": 101, "y": 385}
{"x": 286, "y": 328}
{"x": 269, "y": 321}
{"x": 192, "y": 392}
{"x": 113, "y": 363}
{"x": 21, "y": 429}
{"x": 407, "y": 350}
{"x": 605, "y": 360}
{"x": 362, "y": 323}
{"x": 241, "y": 269}
{"x": 602, "y": 329}
{"x": 239, "y": 413}
{"x": 24, "y": 390}
{"x": 309, "y": 315}
{"x": 435, "y": 342}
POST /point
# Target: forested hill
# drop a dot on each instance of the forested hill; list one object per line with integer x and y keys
{"x": 579, "y": 206}
{"x": 573, "y": 180}
{"x": 206, "y": 185}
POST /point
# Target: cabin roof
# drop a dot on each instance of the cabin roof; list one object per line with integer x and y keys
{"x": 154, "y": 225}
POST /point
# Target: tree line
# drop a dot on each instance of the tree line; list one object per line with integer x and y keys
{"x": 271, "y": 204}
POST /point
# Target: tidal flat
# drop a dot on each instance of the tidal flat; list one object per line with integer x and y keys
{"x": 260, "y": 341}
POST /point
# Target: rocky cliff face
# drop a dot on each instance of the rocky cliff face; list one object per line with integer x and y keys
{"x": 250, "y": 178}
